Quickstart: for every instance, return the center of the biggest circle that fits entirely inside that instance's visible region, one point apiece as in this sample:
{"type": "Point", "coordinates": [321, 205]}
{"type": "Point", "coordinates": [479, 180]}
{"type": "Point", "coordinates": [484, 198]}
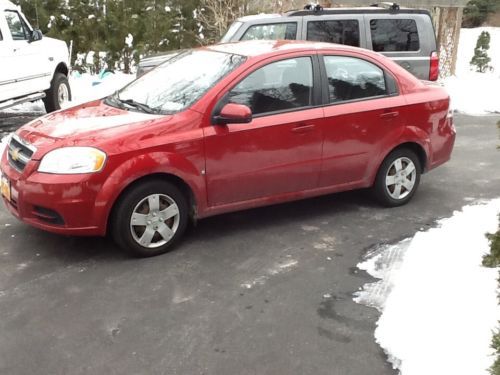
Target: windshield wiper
{"type": "Point", "coordinates": [143, 107]}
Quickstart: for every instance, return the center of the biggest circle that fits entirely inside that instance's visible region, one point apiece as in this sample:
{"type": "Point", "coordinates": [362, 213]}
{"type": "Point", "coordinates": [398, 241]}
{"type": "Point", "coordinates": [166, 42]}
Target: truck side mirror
{"type": "Point", "coordinates": [36, 35]}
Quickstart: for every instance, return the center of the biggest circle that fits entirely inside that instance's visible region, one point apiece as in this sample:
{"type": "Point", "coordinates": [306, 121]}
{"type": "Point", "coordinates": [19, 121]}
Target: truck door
{"type": "Point", "coordinates": [25, 70]}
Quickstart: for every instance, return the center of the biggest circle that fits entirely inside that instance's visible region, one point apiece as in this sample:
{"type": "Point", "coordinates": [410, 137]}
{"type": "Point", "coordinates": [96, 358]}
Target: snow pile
{"type": "Point", "coordinates": [472, 92]}
{"type": "Point", "coordinates": [439, 305]}
{"type": "Point", "coordinates": [84, 88]}
{"type": "Point", "coordinates": [87, 87]}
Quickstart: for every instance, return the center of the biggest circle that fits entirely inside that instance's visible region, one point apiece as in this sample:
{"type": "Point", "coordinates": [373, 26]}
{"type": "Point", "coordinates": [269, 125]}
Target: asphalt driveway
{"type": "Point", "coordinates": [265, 291]}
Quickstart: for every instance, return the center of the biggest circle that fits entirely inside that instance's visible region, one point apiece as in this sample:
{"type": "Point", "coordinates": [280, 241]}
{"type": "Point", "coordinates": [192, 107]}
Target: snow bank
{"type": "Point", "coordinates": [84, 88]}
{"type": "Point", "coordinates": [471, 92]}
{"type": "Point", "coordinates": [439, 305]}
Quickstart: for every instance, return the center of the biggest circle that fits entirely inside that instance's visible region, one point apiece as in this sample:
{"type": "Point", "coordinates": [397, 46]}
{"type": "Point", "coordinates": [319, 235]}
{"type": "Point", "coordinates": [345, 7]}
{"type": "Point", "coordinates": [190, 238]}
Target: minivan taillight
{"type": "Point", "coordinates": [434, 67]}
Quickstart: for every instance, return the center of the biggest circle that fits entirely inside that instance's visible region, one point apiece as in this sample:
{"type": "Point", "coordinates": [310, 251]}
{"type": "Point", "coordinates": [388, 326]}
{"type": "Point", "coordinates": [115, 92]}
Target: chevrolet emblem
{"type": "Point", "coordinates": [14, 153]}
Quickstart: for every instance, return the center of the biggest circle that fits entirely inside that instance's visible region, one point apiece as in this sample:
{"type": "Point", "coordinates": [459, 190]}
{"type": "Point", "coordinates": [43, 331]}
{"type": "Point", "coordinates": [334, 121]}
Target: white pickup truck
{"type": "Point", "coordinates": [32, 67]}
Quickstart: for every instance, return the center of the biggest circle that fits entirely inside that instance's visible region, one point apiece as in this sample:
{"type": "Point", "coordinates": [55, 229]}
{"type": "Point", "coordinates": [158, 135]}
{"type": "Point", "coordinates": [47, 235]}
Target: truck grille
{"type": "Point", "coordinates": [19, 153]}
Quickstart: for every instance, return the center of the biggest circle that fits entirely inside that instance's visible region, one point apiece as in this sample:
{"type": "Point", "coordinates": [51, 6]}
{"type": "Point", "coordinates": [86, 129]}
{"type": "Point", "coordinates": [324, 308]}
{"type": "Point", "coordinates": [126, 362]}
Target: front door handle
{"type": "Point", "coordinates": [303, 128]}
{"type": "Point", "coordinates": [388, 115]}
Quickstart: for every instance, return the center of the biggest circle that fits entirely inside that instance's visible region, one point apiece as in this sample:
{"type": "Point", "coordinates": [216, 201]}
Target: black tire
{"type": "Point", "coordinates": [123, 232]}
{"type": "Point", "coordinates": [51, 100]}
{"type": "Point", "coordinates": [384, 193]}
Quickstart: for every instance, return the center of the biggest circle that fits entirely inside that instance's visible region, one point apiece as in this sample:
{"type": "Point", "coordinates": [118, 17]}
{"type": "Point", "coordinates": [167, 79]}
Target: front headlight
{"type": "Point", "coordinates": [73, 160]}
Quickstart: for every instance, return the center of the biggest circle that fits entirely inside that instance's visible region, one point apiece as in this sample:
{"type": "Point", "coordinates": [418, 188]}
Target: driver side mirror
{"type": "Point", "coordinates": [36, 35]}
{"type": "Point", "coordinates": [233, 113]}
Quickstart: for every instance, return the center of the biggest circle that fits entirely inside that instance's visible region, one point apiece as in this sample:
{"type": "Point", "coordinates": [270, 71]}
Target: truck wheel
{"type": "Point", "coordinates": [150, 218]}
{"type": "Point", "coordinates": [398, 178]}
{"type": "Point", "coordinates": [58, 94]}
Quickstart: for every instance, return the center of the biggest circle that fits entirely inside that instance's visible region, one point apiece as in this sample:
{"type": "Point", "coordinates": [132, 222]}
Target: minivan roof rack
{"type": "Point", "coordinates": [387, 5]}
{"type": "Point", "coordinates": [314, 7]}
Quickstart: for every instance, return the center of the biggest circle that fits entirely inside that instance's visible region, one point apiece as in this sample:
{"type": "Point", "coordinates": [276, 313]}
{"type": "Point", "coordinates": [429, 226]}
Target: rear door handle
{"type": "Point", "coordinates": [388, 115]}
{"type": "Point", "coordinates": [304, 128]}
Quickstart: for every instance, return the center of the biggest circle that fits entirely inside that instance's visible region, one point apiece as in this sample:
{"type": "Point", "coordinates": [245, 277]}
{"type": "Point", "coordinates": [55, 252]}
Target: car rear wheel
{"type": "Point", "coordinates": [150, 218]}
{"type": "Point", "coordinates": [398, 178]}
{"type": "Point", "coordinates": [58, 94]}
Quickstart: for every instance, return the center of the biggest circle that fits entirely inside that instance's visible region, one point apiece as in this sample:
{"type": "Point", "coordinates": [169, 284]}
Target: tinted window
{"type": "Point", "coordinates": [394, 35]}
{"type": "Point", "coordinates": [350, 78]}
{"type": "Point", "coordinates": [341, 32]}
{"type": "Point", "coordinates": [16, 25]}
{"type": "Point", "coordinates": [271, 31]}
{"type": "Point", "coordinates": [279, 86]}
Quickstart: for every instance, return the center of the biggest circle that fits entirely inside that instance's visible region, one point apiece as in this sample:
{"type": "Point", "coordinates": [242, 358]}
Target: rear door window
{"type": "Point", "coordinates": [334, 31]}
{"type": "Point", "coordinates": [394, 35]}
{"type": "Point", "coordinates": [350, 78]}
{"type": "Point", "coordinates": [272, 31]}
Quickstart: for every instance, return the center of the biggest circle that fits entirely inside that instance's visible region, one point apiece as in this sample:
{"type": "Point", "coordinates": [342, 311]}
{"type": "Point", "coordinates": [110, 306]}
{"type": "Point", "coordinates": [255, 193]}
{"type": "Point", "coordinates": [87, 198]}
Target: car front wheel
{"type": "Point", "coordinates": [398, 178]}
{"type": "Point", "coordinates": [150, 218]}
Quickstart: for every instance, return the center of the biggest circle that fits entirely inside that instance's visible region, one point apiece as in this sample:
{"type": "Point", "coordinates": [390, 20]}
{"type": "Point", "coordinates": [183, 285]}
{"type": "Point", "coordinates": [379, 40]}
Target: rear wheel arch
{"type": "Point", "coordinates": [417, 148]}
{"type": "Point", "coordinates": [62, 68]}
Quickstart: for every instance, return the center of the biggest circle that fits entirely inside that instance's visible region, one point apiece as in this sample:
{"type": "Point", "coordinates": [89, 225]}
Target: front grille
{"type": "Point", "coordinates": [19, 153]}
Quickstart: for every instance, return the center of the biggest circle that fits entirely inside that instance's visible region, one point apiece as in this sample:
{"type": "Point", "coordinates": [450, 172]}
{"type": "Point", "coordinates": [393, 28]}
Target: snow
{"type": "Point", "coordinates": [439, 305]}
{"type": "Point", "coordinates": [471, 92]}
{"type": "Point", "coordinates": [129, 40]}
{"type": "Point", "coordinates": [84, 88]}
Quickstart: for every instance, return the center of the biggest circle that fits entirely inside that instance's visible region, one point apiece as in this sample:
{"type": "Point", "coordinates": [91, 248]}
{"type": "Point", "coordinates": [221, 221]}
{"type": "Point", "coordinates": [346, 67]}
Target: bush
{"type": "Point", "coordinates": [477, 11]}
{"type": "Point", "coordinates": [481, 58]}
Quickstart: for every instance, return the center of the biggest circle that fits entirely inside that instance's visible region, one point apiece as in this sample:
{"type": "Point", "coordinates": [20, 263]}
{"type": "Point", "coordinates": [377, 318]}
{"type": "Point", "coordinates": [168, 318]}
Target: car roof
{"type": "Point", "coordinates": [251, 48]}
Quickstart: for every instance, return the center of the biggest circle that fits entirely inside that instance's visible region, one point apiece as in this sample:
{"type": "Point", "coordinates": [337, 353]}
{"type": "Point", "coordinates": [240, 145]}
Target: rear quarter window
{"type": "Point", "coordinates": [334, 31]}
{"type": "Point", "coordinates": [394, 35]}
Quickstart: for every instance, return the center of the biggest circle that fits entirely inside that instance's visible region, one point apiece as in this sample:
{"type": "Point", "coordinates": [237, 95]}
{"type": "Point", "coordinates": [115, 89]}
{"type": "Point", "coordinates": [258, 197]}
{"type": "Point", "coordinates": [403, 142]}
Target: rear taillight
{"type": "Point", "coordinates": [434, 67]}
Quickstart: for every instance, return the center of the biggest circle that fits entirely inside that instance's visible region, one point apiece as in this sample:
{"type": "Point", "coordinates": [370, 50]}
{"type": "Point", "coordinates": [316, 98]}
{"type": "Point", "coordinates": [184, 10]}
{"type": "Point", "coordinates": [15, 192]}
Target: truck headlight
{"type": "Point", "coordinates": [73, 160]}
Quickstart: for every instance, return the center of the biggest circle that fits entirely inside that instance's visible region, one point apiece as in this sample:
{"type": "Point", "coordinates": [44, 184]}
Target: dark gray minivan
{"type": "Point", "coordinates": [405, 35]}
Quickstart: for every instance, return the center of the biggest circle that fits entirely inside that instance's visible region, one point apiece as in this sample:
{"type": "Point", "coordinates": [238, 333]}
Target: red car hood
{"type": "Point", "coordinates": [90, 120]}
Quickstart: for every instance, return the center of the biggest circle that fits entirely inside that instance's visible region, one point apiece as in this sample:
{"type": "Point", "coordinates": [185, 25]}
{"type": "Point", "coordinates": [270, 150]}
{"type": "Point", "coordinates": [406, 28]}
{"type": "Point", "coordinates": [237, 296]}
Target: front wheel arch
{"type": "Point", "coordinates": [175, 180]}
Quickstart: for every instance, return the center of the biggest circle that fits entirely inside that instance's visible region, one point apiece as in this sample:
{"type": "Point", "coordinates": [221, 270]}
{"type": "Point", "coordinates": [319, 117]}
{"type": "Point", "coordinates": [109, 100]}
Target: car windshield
{"type": "Point", "coordinates": [177, 83]}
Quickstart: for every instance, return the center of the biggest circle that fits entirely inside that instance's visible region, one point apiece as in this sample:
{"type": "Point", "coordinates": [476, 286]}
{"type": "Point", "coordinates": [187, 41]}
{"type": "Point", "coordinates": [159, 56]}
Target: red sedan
{"type": "Point", "coordinates": [226, 128]}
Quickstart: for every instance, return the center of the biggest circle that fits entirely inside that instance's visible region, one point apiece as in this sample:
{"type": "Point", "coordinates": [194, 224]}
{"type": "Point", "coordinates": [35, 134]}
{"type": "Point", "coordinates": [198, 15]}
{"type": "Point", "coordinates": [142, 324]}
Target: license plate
{"type": "Point", "coordinates": [5, 187]}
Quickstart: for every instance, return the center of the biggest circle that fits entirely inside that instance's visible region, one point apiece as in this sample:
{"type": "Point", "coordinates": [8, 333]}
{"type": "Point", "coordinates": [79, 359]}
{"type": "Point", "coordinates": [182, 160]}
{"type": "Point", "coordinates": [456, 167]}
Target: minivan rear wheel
{"type": "Point", "coordinates": [398, 178]}
{"type": "Point", "coordinates": [150, 218]}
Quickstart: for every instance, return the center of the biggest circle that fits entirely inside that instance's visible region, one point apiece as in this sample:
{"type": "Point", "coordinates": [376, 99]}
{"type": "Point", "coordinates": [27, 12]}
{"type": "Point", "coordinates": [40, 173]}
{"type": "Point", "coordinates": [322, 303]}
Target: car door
{"type": "Point", "coordinates": [364, 110]}
{"type": "Point", "coordinates": [279, 152]}
{"type": "Point", "coordinates": [29, 69]}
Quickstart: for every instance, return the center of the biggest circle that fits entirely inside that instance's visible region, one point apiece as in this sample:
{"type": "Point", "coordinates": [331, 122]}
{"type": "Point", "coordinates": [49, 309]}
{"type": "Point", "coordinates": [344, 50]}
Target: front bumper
{"type": "Point", "coordinates": [63, 204]}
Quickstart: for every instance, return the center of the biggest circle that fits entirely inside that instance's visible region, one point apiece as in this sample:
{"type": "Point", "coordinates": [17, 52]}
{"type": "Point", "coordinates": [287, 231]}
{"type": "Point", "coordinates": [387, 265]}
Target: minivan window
{"type": "Point", "coordinates": [338, 31]}
{"type": "Point", "coordinates": [351, 78]}
{"type": "Point", "coordinates": [231, 31]}
{"type": "Point", "coordinates": [16, 25]}
{"type": "Point", "coordinates": [279, 86]}
{"type": "Point", "coordinates": [394, 35]}
{"type": "Point", "coordinates": [272, 31]}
